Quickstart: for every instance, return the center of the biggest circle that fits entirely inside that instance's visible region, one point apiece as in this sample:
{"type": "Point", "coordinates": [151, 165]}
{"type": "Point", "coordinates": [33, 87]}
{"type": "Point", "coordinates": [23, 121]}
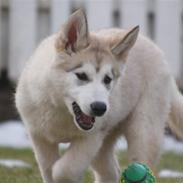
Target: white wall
{"type": "Point", "coordinates": [22, 34]}
{"type": "Point", "coordinates": [134, 12]}
{"type": "Point", "coordinates": [27, 25]}
{"type": "Point", "coordinates": [99, 13]}
{"type": "Point", "coordinates": [168, 32]}
{"type": "Point", "coordinates": [60, 10]}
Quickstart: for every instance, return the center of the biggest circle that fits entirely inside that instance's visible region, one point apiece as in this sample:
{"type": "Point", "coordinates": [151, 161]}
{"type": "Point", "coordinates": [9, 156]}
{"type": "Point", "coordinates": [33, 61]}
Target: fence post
{"type": "Point", "coordinates": [99, 13]}
{"type": "Point", "coordinates": [22, 35]}
{"type": "Point", "coordinates": [60, 10]}
{"type": "Point", "coordinates": [134, 13]}
{"type": "Point", "coordinates": [168, 32]}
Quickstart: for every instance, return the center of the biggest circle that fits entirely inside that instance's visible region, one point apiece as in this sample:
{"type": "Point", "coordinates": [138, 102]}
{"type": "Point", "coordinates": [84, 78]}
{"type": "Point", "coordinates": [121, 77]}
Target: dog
{"type": "Point", "coordinates": [89, 88]}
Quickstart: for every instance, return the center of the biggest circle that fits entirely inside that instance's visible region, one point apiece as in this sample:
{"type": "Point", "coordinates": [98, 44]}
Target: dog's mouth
{"type": "Point", "coordinates": [84, 121]}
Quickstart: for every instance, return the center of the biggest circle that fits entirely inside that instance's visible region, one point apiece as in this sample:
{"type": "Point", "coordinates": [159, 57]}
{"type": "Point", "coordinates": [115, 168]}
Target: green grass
{"type": "Point", "coordinates": [31, 174]}
{"type": "Point", "coordinates": [19, 175]}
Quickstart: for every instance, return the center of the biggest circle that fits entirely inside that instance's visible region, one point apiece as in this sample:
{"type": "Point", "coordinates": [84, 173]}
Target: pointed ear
{"type": "Point", "coordinates": [123, 46]}
{"type": "Point", "coordinates": [74, 34]}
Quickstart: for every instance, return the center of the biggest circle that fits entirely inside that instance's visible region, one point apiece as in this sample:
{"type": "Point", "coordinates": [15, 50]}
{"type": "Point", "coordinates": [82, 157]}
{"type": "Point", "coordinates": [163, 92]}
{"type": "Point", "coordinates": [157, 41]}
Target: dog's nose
{"type": "Point", "coordinates": [98, 108]}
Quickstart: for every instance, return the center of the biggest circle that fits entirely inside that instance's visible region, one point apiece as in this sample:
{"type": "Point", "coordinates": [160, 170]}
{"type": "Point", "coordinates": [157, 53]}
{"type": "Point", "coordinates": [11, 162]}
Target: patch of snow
{"type": "Point", "coordinates": [121, 144]}
{"type": "Point", "coordinates": [170, 144]}
{"type": "Point", "coordinates": [64, 146]}
{"type": "Point", "coordinates": [13, 134]}
{"type": "Point", "coordinates": [170, 174]}
{"type": "Point", "coordinates": [11, 163]}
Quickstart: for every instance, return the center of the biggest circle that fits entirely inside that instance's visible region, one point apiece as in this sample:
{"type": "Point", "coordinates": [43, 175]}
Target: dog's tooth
{"type": "Point", "coordinates": [74, 105]}
{"type": "Point", "coordinates": [79, 110]}
{"type": "Point", "coordinates": [75, 108]}
{"type": "Point", "coordinates": [78, 116]}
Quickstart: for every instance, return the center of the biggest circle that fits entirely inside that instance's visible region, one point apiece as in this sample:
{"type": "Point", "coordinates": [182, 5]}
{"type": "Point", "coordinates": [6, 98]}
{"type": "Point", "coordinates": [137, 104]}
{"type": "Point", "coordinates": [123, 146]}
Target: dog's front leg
{"type": "Point", "coordinates": [71, 167]}
{"type": "Point", "coordinates": [46, 155]}
{"type": "Point", "coordinates": [105, 165]}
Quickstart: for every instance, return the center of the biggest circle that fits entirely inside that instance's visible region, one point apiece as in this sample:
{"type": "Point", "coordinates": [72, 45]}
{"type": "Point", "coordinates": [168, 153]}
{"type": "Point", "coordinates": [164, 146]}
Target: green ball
{"type": "Point", "coordinates": [137, 173]}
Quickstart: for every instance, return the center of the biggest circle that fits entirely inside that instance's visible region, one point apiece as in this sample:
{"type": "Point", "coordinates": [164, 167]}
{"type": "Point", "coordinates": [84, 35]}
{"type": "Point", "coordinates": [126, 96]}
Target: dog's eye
{"type": "Point", "coordinates": [107, 80]}
{"type": "Point", "coordinates": [82, 76]}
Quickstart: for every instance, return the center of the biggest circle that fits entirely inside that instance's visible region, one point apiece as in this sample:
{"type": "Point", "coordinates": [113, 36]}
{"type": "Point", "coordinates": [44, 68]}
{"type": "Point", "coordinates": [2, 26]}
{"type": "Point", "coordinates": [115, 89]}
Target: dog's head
{"type": "Point", "coordinates": [89, 67]}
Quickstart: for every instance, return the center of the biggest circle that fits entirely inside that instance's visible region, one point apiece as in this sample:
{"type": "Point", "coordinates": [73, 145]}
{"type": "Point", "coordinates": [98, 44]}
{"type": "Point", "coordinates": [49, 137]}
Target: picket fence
{"type": "Point", "coordinates": [24, 23]}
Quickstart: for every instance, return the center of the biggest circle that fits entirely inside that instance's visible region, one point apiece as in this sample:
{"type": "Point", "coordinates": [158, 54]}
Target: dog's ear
{"type": "Point", "coordinates": [74, 34]}
{"type": "Point", "coordinates": [122, 47]}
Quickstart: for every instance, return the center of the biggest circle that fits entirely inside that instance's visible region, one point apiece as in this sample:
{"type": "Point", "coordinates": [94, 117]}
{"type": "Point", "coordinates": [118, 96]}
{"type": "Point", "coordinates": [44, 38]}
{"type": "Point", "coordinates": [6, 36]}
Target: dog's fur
{"type": "Point", "coordinates": [141, 97]}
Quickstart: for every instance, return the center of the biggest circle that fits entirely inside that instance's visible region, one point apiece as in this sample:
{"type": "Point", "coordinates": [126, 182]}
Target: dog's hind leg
{"type": "Point", "coordinates": [105, 165]}
{"type": "Point", "coordinates": [144, 128]}
{"type": "Point", "coordinates": [71, 167]}
{"type": "Point", "coordinates": [46, 154]}
{"type": "Point", "coordinates": [144, 142]}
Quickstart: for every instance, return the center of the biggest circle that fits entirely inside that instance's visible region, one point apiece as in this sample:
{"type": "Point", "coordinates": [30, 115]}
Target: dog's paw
{"type": "Point", "coordinates": [64, 173]}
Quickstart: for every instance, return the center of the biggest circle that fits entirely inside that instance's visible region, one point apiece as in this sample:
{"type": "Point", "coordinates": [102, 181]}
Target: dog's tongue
{"type": "Point", "coordinates": [87, 119]}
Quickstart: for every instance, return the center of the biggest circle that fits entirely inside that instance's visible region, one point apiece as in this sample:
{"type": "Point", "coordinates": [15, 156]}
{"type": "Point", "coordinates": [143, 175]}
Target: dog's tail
{"type": "Point", "coordinates": [176, 113]}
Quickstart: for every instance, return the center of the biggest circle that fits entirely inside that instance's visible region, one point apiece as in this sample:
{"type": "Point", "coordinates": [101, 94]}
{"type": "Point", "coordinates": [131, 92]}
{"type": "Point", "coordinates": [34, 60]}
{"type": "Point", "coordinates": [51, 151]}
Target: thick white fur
{"type": "Point", "coordinates": [139, 105]}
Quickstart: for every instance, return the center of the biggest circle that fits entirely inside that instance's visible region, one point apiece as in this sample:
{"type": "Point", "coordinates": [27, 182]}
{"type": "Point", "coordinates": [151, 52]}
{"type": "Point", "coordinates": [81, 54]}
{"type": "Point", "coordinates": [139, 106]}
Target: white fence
{"type": "Point", "coordinates": [23, 23]}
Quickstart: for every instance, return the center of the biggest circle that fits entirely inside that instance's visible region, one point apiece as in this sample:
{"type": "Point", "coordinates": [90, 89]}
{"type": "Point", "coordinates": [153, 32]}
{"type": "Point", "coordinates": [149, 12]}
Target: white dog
{"type": "Point", "coordinates": [88, 89]}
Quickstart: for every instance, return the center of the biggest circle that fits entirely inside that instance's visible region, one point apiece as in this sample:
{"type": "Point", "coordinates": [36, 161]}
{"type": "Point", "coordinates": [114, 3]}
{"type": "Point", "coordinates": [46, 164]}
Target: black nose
{"type": "Point", "coordinates": [98, 108]}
